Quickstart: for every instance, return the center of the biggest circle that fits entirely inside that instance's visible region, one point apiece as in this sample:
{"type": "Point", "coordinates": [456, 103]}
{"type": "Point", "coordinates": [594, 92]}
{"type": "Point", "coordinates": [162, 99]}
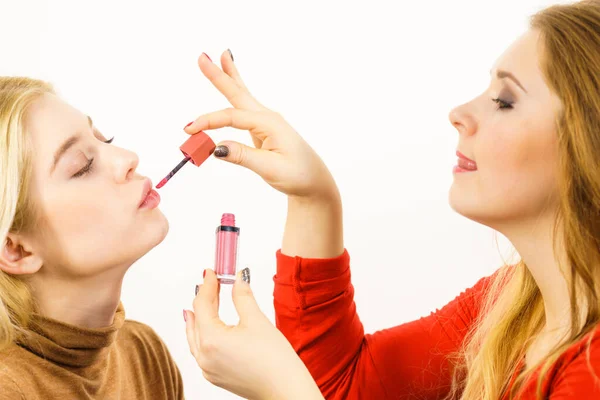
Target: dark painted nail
{"type": "Point", "coordinates": [246, 275]}
{"type": "Point", "coordinates": [184, 316]}
{"type": "Point", "coordinates": [207, 57]}
{"type": "Point", "coordinates": [221, 151]}
{"type": "Point", "coordinates": [197, 287]}
{"type": "Point", "coordinates": [188, 124]}
{"type": "Point", "coordinates": [230, 54]}
{"type": "Point", "coordinates": [204, 274]}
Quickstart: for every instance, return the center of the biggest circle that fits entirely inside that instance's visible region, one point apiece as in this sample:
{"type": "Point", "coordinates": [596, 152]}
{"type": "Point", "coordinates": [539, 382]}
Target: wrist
{"type": "Point", "coordinates": [326, 200]}
{"type": "Point", "coordinates": [324, 194]}
{"type": "Point", "coordinates": [301, 387]}
{"type": "Point", "coordinates": [314, 226]}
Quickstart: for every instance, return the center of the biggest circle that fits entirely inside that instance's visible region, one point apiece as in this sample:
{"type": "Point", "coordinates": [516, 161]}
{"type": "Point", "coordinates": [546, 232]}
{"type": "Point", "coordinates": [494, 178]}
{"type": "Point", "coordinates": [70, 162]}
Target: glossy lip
{"type": "Point", "coordinates": [461, 155]}
{"type": "Point", "coordinates": [146, 191]}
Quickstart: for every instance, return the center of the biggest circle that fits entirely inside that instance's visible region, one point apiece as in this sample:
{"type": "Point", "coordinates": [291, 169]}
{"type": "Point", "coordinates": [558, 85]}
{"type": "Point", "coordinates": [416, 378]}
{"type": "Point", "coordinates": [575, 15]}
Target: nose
{"type": "Point", "coordinates": [463, 120]}
{"type": "Point", "coordinates": [125, 163]}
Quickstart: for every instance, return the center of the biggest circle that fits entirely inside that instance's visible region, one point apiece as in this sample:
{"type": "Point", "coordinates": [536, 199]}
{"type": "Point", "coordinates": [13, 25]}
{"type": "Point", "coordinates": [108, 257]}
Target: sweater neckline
{"type": "Point", "coordinates": [67, 344]}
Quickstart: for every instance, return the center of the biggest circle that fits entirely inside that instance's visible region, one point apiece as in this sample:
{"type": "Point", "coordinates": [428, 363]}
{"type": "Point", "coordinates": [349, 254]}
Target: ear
{"type": "Point", "coordinates": [17, 257]}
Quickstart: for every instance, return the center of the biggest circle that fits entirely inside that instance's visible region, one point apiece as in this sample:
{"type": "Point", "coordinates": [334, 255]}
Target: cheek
{"type": "Point", "coordinates": [518, 165]}
{"type": "Point", "coordinates": [504, 154]}
{"type": "Point", "coordinates": [522, 149]}
{"type": "Point", "coordinates": [83, 219]}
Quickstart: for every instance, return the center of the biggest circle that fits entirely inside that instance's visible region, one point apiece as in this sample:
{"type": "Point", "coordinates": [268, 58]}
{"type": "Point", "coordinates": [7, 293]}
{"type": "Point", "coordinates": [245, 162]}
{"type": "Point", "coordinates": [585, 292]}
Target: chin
{"type": "Point", "coordinates": [457, 200]}
{"type": "Point", "coordinates": [154, 233]}
{"type": "Point", "coordinates": [468, 206]}
{"type": "Point", "coordinates": [155, 230]}
{"type": "Point", "coordinates": [160, 229]}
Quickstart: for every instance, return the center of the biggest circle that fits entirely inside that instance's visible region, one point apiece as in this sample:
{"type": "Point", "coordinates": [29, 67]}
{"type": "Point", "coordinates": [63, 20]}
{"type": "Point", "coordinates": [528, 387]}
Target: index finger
{"type": "Point", "coordinates": [235, 118]}
{"type": "Point", "coordinates": [206, 303]}
{"type": "Point", "coordinates": [236, 95]}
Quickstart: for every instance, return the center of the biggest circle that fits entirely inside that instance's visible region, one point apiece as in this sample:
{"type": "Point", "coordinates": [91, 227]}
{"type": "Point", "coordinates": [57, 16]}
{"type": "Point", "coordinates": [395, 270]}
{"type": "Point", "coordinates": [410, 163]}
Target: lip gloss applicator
{"type": "Point", "coordinates": [196, 149]}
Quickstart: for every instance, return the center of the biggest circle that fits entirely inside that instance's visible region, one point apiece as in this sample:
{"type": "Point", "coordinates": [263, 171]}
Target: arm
{"type": "Point", "coordinates": [315, 310]}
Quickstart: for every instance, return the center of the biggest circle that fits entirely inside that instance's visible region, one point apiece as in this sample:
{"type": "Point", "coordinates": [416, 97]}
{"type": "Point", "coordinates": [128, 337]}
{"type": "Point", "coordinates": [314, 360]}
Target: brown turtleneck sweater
{"type": "Point", "coordinates": [54, 360]}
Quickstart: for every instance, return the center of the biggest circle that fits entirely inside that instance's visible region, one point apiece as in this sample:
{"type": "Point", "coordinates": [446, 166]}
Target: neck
{"type": "Point", "coordinates": [534, 243]}
{"type": "Point", "coordinates": [89, 302]}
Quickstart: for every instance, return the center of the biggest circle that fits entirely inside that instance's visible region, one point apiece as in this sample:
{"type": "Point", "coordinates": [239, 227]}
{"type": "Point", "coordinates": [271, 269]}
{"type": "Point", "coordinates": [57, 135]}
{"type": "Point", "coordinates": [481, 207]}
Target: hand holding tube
{"type": "Point", "coordinates": [252, 359]}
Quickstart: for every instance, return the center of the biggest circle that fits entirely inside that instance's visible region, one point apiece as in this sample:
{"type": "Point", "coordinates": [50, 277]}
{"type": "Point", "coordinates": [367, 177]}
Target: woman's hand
{"type": "Point", "coordinates": [252, 359]}
{"type": "Point", "coordinates": [282, 158]}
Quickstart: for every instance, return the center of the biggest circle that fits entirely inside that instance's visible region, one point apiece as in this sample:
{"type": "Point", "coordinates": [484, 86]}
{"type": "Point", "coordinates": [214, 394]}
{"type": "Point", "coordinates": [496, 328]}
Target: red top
{"type": "Point", "coordinates": [315, 310]}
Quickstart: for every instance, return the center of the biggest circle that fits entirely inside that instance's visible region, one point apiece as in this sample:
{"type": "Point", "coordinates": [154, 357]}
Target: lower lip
{"type": "Point", "coordinates": [458, 170]}
{"type": "Point", "coordinates": [152, 200]}
{"type": "Point", "coordinates": [464, 166]}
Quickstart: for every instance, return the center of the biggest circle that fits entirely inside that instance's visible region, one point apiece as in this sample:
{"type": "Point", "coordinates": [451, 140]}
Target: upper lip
{"type": "Point", "coordinates": [145, 191]}
{"type": "Point", "coordinates": [461, 155]}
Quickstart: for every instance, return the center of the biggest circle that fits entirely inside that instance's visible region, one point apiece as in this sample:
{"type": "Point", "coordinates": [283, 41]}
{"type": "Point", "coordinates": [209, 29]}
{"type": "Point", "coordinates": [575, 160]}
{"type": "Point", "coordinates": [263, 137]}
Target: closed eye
{"type": "Point", "coordinates": [502, 105]}
{"type": "Point", "coordinates": [84, 170]}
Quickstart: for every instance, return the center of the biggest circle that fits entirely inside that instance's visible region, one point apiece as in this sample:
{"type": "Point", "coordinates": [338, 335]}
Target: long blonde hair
{"type": "Point", "coordinates": [17, 212]}
{"type": "Point", "coordinates": [513, 313]}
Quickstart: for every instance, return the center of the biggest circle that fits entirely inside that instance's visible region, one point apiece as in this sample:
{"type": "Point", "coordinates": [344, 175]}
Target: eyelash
{"type": "Point", "coordinates": [502, 105]}
{"type": "Point", "coordinates": [88, 166]}
{"type": "Point", "coordinates": [84, 170]}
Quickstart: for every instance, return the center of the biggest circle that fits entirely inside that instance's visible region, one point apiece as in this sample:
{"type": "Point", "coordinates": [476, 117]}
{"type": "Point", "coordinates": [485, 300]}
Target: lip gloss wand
{"type": "Point", "coordinates": [196, 149]}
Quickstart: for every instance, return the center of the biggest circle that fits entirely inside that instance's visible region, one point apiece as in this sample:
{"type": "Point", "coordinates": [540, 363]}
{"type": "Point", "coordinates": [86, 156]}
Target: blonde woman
{"type": "Point", "coordinates": [75, 215]}
{"type": "Point", "coordinates": [529, 167]}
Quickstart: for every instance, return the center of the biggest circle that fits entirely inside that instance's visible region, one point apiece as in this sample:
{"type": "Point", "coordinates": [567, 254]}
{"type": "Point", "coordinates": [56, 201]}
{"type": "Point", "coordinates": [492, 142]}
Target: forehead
{"type": "Point", "coordinates": [50, 114]}
{"type": "Point", "coordinates": [522, 59]}
{"type": "Point", "coordinates": [50, 121]}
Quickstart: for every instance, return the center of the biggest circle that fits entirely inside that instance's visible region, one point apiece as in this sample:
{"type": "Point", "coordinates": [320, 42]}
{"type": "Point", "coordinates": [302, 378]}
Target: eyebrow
{"type": "Point", "coordinates": [505, 74]}
{"type": "Point", "coordinates": [67, 144]}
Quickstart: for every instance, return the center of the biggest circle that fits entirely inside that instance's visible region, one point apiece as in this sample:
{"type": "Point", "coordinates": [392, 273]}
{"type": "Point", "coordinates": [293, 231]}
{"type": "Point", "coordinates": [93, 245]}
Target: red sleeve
{"type": "Point", "coordinates": [315, 310]}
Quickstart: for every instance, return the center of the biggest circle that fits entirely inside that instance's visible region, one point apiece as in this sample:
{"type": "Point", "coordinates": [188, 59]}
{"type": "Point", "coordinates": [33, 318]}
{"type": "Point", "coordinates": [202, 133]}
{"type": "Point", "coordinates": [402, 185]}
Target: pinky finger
{"type": "Point", "coordinates": [230, 69]}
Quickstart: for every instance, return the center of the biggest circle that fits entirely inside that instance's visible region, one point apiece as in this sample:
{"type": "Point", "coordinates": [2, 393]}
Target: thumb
{"type": "Point", "coordinates": [263, 162]}
{"type": "Point", "coordinates": [243, 299]}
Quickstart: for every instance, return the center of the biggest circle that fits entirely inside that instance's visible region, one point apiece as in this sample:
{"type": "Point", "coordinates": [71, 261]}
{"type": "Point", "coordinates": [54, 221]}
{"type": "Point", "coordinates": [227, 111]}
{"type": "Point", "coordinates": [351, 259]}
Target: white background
{"type": "Point", "coordinates": [369, 87]}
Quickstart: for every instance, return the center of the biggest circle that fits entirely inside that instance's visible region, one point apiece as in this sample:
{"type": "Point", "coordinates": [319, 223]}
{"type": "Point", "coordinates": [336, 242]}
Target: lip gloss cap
{"type": "Point", "coordinates": [198, 148]}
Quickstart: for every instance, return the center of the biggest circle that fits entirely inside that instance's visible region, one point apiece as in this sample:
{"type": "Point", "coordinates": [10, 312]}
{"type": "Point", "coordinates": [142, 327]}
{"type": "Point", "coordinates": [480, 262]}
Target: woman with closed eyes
{"type": "Point", "coordinates": [528, 166]}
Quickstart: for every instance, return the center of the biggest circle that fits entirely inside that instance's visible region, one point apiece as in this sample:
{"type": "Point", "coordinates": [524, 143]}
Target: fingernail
{"type": "Point", "coordinates": [230, 54]}
{"type": "Point", "coordinates": [207, 57]}
{"type": "Point", "coordinates": [246, 275]}
{"type": "Point", "coordinates": [197, 287]}
{"type": "Point", "coordinates": [184, 316]}
{"type": "Point", "coordinates": [188, 124]}
{"type": "Point", "coordinates": [204, 274]}
{"type": "Point", "coordinates": [221, 151]}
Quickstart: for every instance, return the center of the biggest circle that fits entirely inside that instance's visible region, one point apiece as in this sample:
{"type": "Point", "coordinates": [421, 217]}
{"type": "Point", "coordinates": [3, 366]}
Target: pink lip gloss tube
{"type": "Point", "coordinates": [226, 249]}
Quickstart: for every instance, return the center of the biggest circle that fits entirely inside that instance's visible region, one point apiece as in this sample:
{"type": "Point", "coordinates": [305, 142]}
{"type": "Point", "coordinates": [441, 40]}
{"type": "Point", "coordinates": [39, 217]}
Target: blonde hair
{"type": "Point", "coordinates": [17, 213]}
{"type": "Point", "coordinates": [513, 312]}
